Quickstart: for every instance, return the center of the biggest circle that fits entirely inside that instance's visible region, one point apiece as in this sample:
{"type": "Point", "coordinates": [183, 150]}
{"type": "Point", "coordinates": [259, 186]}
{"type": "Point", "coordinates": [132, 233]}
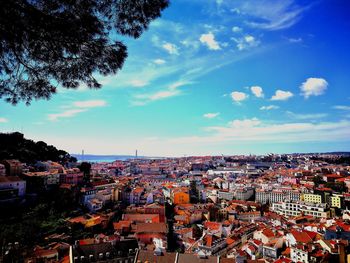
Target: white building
{"type": "Point", "coordinates": [288, 208]}
{"type": "Point", "coordinates": [298, 255]}
{"type": "Point", "coordinates": [244, 193]}
{"type": "Point", "coordinates": [275, 196]}
{"type": "Point", "coordinates": [13, 183]}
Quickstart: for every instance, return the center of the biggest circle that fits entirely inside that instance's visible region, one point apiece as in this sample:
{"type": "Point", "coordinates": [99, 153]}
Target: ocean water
{"type": "Point", "coordinates": [102, 158]}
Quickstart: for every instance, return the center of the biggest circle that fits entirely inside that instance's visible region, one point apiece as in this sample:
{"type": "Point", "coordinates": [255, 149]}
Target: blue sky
{"type": "Point", "coordinates": [213, 77]}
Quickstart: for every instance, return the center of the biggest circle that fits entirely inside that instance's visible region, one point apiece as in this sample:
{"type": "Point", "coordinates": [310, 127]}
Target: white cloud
{"type": "Point", "coordinates": [271, 15]}
{"type": "Point", "coordinates": [163, 94]}
{"type": "Point", "coordinates": [269, 107]}
{"type": "Point", "coordinates": [282, 95]}
{"type": "Point", "coordinates": [255, 130]}
{"type": "Point", "coordinates": [295, 40]}
{"type": "Point", "coordinates": [138, 83]}
{"type": "Point", "coordinates": [90, 103]}
{"type": "Point", "coordinates": [306, 116]}
{"type": "Point", "coordinates": [246, 42]}
{"type": "Point", "coordinates": [257, 91]}
{"type": "Point", "coordinates": [245, 123]}
{"type": "Point", "coordinates": [172, 49]}
{"type": "Point", "coordinates": [159, 61]}
{"type": "Point", "coordinates": [313, 87]}
{"type": "Point", "coordinates": [341, 107]}
{"type": "Point", "coordinates": [238, 96]}
{"type": "Point", "coordinates": [211, 115]}
{"type": "Point", "coordinates": [3, 120]}
{"type": "Point", "coordinates": [209, 41]}
{"type": "Point", "coordinates": [76, 108]}
{"type": "Point", "coordinates": [171, 91]}
{"type": "Point", "coordinates": [65, 114]}
{"type": "Point", "coordinates": [236, 29]}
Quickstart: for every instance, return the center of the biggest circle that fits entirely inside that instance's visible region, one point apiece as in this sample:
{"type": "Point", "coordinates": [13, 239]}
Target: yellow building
{"type": "Point", "coordinates": [312, 198]}
{"type": "Point", "coordinates": [336, 201]}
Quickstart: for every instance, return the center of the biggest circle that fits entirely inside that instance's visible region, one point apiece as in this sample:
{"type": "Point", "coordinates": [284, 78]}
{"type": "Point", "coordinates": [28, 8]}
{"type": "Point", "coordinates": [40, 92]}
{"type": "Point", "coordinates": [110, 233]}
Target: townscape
{"type": "Point", "coordinates": [238, 113]}
{"type": "Point", "coordinates": [272, 208]}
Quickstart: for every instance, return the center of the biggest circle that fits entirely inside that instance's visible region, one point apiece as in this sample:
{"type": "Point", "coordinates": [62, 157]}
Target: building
{"type": "Point", "coordinates": [244, 193]}
{"type": "Point", "coordinates": [275, 196]}
{"type": "Point", "coordinates": [336, 201]}
{"type": "Point", "coordinates": [13, 167]}
{"type": "Point", "coordinates": [72, 177]}
{"type": "Point", "coordinates": [122, 251]}
{"type": "Point", "coordinates": [299, 255]}
{"type": "Point", "coordinates": [298, 208]}
{"type": "Point", "coordinates": [312, 198]}
{"type": "Point", "coordinates": [38, 181]}
{"type": "Point", "coordinates": [2, 170]}
{"type": "Point", "coordinates": [12, 187]}
{"type": "Point", "coordinates": [179, 196]}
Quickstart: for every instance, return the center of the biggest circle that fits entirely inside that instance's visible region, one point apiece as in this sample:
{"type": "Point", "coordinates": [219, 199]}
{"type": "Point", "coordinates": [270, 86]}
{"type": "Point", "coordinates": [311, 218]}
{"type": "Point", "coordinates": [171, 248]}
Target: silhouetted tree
{"type": "Point", "coordinates": [193, 192]}
{"type": "Point", "coordinates": [85, 167]}
{"type": "Point", "coordinates": [44, 44]}
{"type": "Point", "coordinates": [15, 146]}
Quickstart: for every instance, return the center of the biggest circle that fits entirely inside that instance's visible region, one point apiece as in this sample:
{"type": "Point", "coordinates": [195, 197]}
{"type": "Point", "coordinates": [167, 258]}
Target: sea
{"type": "Point", "coordinates": [103, 158]}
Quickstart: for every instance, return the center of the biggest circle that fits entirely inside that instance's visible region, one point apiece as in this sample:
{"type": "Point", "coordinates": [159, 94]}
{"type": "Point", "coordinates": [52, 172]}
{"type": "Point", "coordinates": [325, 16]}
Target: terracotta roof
{"type": "Point", "coordinates": [151, 228]}
{"type": "Point", "coordinates": [268, 232]}
{"type": "Point", "coordinates": [301, 237]}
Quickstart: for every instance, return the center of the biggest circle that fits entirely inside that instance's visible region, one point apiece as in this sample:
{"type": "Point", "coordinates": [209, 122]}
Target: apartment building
{"type": "Point", "coordinates": [298, 208]}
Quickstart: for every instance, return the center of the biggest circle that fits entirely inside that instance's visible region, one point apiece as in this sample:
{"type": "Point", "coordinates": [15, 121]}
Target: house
{"type": "Point", "coordinates": [212, 245]}
{"type": "Point", "coordinates": [135, 195]}
{"type": "Point", "coordinates": [12, 167]}
{"type": "Point", "coordinates": [179, 196]}
{"type": "Point", "coordinates": [122, 227]}
{"type": "Point", "coordinates": [72, 176]}
{"type": "Point", "coordinates": [156, 209]}
{"type": "Point", "coordinates": [12, 187]}
{"type": "Point", "coordinates": [123, 251]}
{"type": "Point", "coordinates": [146, 232]}
{"type": "Point", "coordinates": [273, 249]}
{"type": "Point", "coordinates": [144, 256]}
{"type": "Point", "coordinates": [299, 254]}
{"type": "Point", "coordinates": [300, 237]}
{"type": "Point", "coordinates": [2, 170]}
{"type": "Point", "coordinates": [265, 235]}
{"type": "Point", "coordinates": [339, 230]}
{"type": "Point", "coordinates": [141, 218]}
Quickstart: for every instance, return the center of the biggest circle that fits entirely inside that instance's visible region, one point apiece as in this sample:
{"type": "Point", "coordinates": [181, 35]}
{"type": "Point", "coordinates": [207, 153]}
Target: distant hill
{"type": "Point", "coordinates": [109, 158]}
{"type": "Point", "coordinates": [103, 158]}
{"type": "Point", "coordinates": [15, 146]}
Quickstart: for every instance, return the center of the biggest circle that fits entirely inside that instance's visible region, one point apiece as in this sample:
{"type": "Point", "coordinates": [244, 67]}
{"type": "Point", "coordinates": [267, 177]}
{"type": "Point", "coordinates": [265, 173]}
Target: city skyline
{"type": "Point", "coordinates": [212, 78]}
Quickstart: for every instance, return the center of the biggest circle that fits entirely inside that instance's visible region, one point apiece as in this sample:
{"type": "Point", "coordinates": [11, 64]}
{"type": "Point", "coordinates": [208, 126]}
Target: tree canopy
{"type": "Point", "coordinates": [15, 146]}
{"type": "Point", "coordinates": [46, 44]}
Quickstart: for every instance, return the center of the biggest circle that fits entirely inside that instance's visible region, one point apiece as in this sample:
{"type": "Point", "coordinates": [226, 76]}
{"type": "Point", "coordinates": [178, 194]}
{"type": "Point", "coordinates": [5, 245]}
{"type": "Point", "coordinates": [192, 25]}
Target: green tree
{"type": "Point", "coordinates": [85, 167]}
{"type": "Point", "coordinates": [44, 44]}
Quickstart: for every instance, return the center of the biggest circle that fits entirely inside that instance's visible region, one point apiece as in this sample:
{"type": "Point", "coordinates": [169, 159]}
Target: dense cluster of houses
{"type": "Point", "coordinates": [291, 208]}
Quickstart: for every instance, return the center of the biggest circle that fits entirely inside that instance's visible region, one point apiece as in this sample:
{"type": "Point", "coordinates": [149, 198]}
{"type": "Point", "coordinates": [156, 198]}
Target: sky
{"type": "Point", "coordinates": [212, 77]}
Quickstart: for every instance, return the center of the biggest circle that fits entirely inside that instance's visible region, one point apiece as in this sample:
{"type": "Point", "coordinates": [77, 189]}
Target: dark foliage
{"type": "Point", "coordinates": [44, 44]}
{"type": "Point", "coordinates": [29, 224]}
{"type": "Point", "coordinates": [15, 146]}
{"type": "Point", "coordinates": [338, 187]}
{"type": "Point", "coordinates": [85, 167]}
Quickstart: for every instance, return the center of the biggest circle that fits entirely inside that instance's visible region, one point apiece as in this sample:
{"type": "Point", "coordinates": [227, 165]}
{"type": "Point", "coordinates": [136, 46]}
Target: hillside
{"type": "Point", "coordinates": [15, 146]}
